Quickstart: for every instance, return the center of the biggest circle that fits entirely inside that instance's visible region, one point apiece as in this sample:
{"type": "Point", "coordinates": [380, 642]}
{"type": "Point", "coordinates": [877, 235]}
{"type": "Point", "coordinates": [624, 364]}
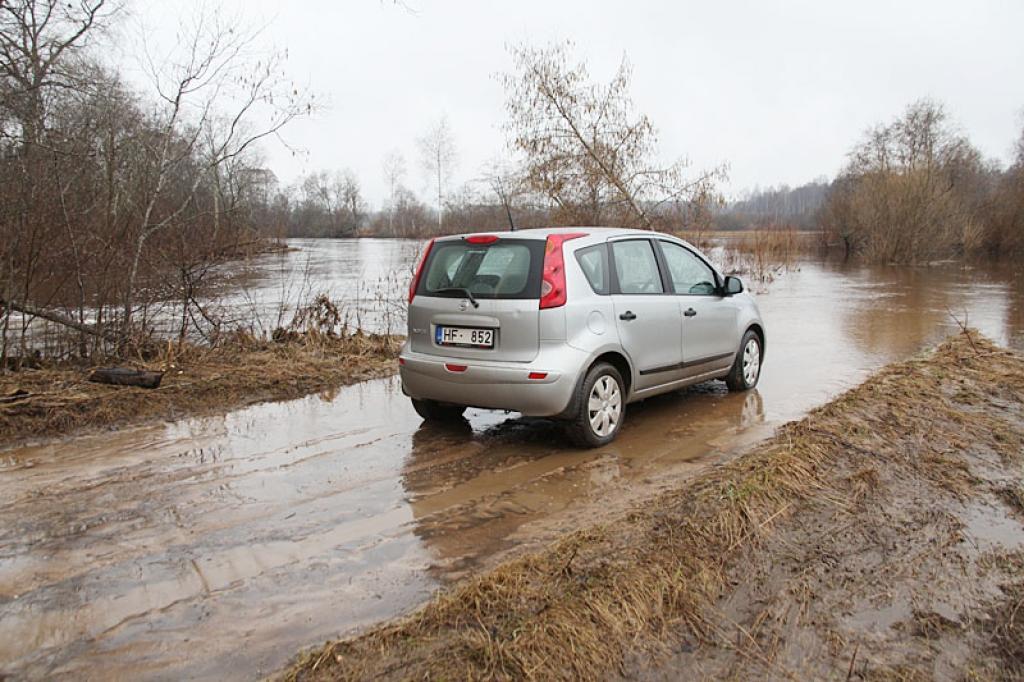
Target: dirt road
{"type": "Point", "coordinates": [218, 546]}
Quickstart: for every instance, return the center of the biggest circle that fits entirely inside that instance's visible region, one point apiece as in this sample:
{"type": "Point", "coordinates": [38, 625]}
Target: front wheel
{"type": "Point", "coordinates": [433, 411]}
{"type": "Point", "coordinates": [746, 369]}
{"type": "Point", "coordinates": [600, 407]}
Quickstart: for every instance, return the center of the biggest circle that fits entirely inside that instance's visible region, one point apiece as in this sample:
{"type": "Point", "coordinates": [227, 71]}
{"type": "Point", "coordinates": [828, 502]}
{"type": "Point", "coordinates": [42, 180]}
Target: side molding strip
{"type": "Point", "coordinates": [684, 365]}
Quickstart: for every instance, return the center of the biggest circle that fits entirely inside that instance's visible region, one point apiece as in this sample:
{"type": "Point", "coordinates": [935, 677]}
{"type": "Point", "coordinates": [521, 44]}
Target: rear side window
{"type": "Point", "coordinates": [508, 268]}
{"type": "Point", "coordinates": [636, 267]}
{"type": "Point", "coordinates": [593, 261]}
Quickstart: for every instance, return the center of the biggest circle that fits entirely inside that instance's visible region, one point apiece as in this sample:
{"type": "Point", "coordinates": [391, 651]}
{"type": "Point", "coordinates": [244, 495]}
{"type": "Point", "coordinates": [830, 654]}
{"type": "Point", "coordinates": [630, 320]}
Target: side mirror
{"type": "Point", "coordinates": [732, 286]}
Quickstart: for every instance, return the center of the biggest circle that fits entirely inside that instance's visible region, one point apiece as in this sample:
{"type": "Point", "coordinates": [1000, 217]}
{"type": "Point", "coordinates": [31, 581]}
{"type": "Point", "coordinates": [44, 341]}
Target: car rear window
{"type": "Point", "coordinates": [507, 268]}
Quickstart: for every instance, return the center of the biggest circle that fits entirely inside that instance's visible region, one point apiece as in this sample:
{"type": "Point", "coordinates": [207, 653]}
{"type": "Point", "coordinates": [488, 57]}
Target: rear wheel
{"type": "Point", "coordinates": [433, 411]}
{"type": "Point", "coordinates": [746, 369]}
{"type": "Point", "coordinates": [600, 407]}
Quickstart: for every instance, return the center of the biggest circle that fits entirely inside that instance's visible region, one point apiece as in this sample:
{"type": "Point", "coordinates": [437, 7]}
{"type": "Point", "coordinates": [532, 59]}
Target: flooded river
{"type": "Point", "coordinates": [217, 547]}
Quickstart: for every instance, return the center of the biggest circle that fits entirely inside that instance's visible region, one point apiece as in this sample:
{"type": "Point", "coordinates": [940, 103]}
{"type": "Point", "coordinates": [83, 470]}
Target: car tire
{"type": "Point", "coordinates": [433, 411]}
{"type": "Point", "coordinates": [596, 424]}
{"type": "Point", "coordinates": [746, 369]}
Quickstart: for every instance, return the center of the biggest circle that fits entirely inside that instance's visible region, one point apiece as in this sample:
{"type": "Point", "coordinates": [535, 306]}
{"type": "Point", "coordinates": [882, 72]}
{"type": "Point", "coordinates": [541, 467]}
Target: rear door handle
{"type": "Point", "coordinates": [690, 312]}
{"type": "Point", "coordinates": [628, 315]}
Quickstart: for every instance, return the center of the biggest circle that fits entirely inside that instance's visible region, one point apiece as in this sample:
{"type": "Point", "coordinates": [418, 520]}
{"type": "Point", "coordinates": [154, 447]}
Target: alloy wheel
{"type": "Point", "coordinates": [751, 361]}
{"type": "Point", "coordinates": [605, 406]}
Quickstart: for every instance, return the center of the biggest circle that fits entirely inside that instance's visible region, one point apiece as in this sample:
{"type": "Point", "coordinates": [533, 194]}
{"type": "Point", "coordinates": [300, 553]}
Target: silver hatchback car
{"type": "Point", "coordinates": [572, 323]}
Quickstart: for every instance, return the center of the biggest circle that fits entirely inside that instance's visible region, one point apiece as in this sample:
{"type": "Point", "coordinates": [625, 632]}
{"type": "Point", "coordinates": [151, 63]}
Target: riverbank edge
{"type": "Point", "coordinates": [619, 598]}
{"type": "Point", "coordinates": [37, 405]}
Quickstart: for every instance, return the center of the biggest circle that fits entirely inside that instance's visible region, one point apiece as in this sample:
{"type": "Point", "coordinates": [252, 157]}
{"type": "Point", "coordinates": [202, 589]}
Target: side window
{"type": "Point", "coordinates": [690, 275]}
{"type": "Point", "coordinates": [593, 261]}
{"type": "Point", "coordinates": [636, 267]}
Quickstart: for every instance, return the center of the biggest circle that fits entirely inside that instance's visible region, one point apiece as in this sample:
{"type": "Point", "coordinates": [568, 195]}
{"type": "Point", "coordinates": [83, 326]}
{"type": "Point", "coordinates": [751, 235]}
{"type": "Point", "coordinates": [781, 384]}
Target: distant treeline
{"type": "Point", "coordinates": [331, 205]}
{"type": "Point", "coordinates": [326, 204]}
{"type": "Point", "coordinates": [782, 205]}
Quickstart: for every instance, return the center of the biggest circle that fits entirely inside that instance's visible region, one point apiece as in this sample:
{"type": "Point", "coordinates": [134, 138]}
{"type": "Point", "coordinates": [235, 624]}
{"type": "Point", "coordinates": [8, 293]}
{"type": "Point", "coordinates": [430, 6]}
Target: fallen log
{"type": "Point", "coordinates": [15, 396]}
{"type": "Point", "coordinates": [122, 376]}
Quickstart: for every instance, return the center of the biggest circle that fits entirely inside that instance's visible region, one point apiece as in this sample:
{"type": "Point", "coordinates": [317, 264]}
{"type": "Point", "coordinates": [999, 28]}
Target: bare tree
{"type": "Point", "coordinates": [585, 146]}
{"type": "Point", "coordinates": [508, 184]}
{"type": "Point", "coordinates": [331, 204]}
{"type": "Point", "coordinates": [209, 63]}
{"type": "Point", "coordinates": [351, 199]}
{"type": "Point", "coordinates": [394, 176]}
{"type": "Point", "coordinates": [37, 37]}
{"type": "Point", "coordinates": [38, 41]}
{"type": "Point", "coordinates": [437, 156]}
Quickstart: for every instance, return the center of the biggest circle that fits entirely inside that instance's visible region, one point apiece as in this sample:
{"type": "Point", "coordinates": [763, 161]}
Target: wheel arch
{"type": "Point", "coordinates": [616, 359]}
{"type": "Point", "coordinates": [619, 362]}
{"type": "Point", "coordinates": [758, 329]}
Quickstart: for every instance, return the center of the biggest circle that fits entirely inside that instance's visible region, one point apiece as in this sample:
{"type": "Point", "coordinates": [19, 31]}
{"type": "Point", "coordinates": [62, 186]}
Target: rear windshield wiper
{"type": "Point", "coordinates": [459, 290]}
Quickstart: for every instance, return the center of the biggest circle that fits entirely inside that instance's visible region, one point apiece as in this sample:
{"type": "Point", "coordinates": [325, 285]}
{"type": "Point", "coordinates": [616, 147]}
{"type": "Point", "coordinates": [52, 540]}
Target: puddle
{"type": "Point", "coordinates": [879, 618]}
{"type": "Point", "coordinates": [218, 547]}
{"type": "Point", "coordinates": [990, 528]}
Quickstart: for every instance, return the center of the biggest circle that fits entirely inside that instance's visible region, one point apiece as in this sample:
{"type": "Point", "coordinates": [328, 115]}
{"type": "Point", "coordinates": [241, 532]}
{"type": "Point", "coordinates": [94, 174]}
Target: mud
{"type": "Point", "coordinates": [865, 541]}
{"type": "Point", "coordinates": [217, 547]}
{"type": "Point", "coordinates": [906, 579]}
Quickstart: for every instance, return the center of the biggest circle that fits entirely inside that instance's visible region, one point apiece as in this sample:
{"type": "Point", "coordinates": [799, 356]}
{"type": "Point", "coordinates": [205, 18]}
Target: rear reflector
{"type": "Point", "coordinates": [482, 238]}
{"type": "Point", "coordinates": [538, 375]}
{"type": "Point", "coordinates": [454, 368]}
{"type": "Point", "coordinates": [401, 361]}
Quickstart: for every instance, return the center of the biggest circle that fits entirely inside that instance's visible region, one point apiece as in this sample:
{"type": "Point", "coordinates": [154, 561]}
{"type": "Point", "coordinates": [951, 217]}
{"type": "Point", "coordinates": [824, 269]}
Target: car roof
{"type": "Point", "coordinates": [593, 233]}
{"type": "Point", "coordinates": [543, 232]}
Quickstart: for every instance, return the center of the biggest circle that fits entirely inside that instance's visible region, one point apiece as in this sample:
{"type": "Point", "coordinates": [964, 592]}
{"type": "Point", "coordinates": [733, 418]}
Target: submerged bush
{"type": "Point", "coordinates": [910, 191]}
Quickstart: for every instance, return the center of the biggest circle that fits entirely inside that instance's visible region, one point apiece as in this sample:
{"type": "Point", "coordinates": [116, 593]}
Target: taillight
{"type": "Point", "coordinates": [419, 271]}
{"type": "Point", "coordinates": [552, 288]}
{"type": "Point", "coordinates": [482, 238]}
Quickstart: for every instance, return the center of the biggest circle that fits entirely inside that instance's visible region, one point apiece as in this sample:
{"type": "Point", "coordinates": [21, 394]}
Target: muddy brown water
{"type": "Point", "coordinates": [218, 547]}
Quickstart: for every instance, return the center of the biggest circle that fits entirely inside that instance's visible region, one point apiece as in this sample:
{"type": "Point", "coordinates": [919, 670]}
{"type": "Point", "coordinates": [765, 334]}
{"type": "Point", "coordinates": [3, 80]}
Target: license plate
{"type": "Point", "coordinates": [464, 336]}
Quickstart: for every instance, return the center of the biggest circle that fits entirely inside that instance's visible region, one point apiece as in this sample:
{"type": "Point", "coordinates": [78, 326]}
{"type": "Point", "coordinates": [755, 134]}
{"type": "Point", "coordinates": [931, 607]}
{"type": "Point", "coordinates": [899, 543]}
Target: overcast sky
{"type": "Point", "coordinates": [779, 91]}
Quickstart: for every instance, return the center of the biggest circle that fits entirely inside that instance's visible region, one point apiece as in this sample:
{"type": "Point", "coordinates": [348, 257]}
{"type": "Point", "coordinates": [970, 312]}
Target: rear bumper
{"type": "Point", "coordinates": [495, 385]}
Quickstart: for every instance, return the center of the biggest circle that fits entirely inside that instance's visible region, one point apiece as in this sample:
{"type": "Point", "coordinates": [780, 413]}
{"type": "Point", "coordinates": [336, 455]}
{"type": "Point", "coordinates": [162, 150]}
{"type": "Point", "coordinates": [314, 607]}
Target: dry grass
{"type": "Point", "coordinates": [759, 255]}
{"type": "Point", "coordinates": [580, 608]}
{"type": "Point", "coordinates": [239, 371]}
{"type": "Point", "coordinates": [1006, 629]}
{"type": "Point", "coordinates": [1013, 495]}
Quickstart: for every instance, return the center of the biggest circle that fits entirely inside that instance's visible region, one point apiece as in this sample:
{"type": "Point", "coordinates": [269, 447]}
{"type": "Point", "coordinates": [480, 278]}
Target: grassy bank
{"type": "Point", "coordinates": [58, 400]}
{"type": "Point", "coordinates": [879, 537]}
